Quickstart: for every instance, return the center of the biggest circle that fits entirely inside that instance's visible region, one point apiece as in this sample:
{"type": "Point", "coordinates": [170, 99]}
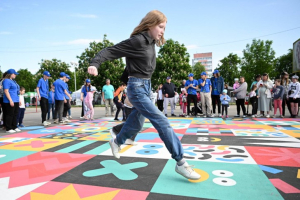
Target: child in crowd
{"type": "Point", "coordinates": [21, 108]}
{"type": "Point", "coordinates": [253, 99]}
{"type": "Point", "coordinates": [236, 85]}
{"type": "Point", "coordinates": [278, 92]}
{"type": "Point", "coordinates": [183, 101]}
{"type": "Point", "coordinates": [225, 103]}
{"type": "Point", "coordinates": [89, 103]}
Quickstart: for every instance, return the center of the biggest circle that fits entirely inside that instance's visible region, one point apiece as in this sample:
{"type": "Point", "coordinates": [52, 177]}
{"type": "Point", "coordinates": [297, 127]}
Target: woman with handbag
{"type": "Point", "coordinates": [264, 95]}
{"type": "Point", "coordinates": [139, 51]}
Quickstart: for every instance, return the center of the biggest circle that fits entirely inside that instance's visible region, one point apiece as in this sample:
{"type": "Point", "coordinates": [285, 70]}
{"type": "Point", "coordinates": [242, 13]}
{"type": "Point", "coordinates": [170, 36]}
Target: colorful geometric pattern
{"type": "Point", "coordinates": [236, 158]}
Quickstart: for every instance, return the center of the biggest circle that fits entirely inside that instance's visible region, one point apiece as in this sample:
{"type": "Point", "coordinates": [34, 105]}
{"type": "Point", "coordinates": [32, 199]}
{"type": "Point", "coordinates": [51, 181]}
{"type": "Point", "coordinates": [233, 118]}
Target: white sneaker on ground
{"type": "Point", "coordinates": [253, 116]}
{"type": "Point", "coordinates": [112, 133]}
{"type": "Point", "coordinates": [17, 130]}
{"type": "Point", "coordinates": [268, 116]}
{"type": "Point", "coordinates": [70, 117]}
{"type": "Point", "coordinates": [130, 142]}
{"type": "Point", "coordinates": [114, 148]}
{"type": "Point", "coordinates": [187, 171]}
{"type": "Point", "coordinates": [204, 116]}
{"type": "Point", "coordinates": [45, 123]}
{"type": "Point", "coordinates": [55, 121]}
{"type": "Point", "coordinates": [244, 116]}
{"type": "Point", "coordinates": [11, 131]}
{"type": "Point", "coordinates": [220, 115]}
{"type": "Point", "coordinates": [213, 115]}
{"type": "Point", "coordinates": [66, 120]}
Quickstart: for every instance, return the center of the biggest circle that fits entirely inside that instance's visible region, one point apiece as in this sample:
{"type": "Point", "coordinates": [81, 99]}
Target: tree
{"type": "Point", "coordinates": [54, 67]}
{"type": "Point", "coordinates": [229, 68]}
{"type": "Point", "coordinates": [284, 63]}
{"type": "Point", "coordinates": [172, 60]}
{"type": "Point", "coordinates": [26, 79]}
{"type": "Point", "coordinates": [198, 68]}
{"type": "Point", "coordinates": [108, 70]}
{"type": "Point", "coordinates": [258, 58]}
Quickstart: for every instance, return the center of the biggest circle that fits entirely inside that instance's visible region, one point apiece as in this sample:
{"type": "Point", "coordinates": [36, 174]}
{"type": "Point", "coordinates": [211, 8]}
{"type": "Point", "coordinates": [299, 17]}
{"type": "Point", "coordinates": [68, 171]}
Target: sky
{"type": "Point", "coordinates": [33, 30]}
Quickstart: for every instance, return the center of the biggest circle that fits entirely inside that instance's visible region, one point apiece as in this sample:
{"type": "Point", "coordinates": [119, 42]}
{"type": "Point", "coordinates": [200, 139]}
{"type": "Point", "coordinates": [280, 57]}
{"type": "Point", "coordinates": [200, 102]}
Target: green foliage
{"type": "Point", "coordinates": [258, 58]}
{"type": "Point", "coordinates": [284, 63]}
{"type": "Point", "coordinates": [172, 60]}
{"type": "Point", "coordinates": [229, 68]}
{"type": "Point", "coordinates": [198, 68]}
{"type": "Point", "coordinates": [26, 79]}
{"type": "Point", "coordinates": [54, 67]}
{"type": "Point", "coordinates": [108, 70]}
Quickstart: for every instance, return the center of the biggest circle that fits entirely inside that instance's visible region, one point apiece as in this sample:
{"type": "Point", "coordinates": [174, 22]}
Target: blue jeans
{"type": "Point", "coordinates": [139, 95]}
{"type": "Point", "coordinates": [51, 107]}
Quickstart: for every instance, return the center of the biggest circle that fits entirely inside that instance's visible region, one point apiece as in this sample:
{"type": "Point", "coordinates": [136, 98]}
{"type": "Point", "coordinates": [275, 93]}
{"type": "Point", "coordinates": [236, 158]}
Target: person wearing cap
{"type": "Point", "coordinates": [88, 102]}
{"type": "Point", "coordinates": [205, 93]}
{"type": "Point", "coordinates": [264, 95]}
{"type": "Point", "coordinates": [67, 103]}
{"type": "Point", "coordinates": [191, 86]}
{"type": "Point", "coordinates": [285, 82]}
{"type": "Point", "coordinates": [42, 90]}
{"type": "Point", "coordinates": [217, 82]}
{"type": "Point", "coordinates": [84, 90]}
{"type": "Point", "coordinates": [11, 101]}
{"type": "Point", "coordinates": [293, 94]}
{"type": "Point", "coordinates": [59, 95]}
{"type": "Point", "coordinates": [169, 92]}
{"type": "Point", "coordinates": [108, 96]}
{"type": "Point", "coordinates": [225, 99]}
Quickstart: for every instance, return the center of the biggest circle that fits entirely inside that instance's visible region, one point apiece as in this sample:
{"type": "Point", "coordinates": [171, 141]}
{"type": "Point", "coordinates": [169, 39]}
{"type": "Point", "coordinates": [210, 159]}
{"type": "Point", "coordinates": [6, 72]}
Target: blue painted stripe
{"type": "Point", "coordinates": [270, 169]}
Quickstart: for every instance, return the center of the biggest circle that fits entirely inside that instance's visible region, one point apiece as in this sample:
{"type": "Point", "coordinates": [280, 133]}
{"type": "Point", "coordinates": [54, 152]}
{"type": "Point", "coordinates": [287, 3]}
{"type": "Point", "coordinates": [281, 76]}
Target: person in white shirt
{"type": "Point", "coordinates": [160, 98]}
{"type": "Point", "coordinates": [293, 95]}
{"type": "Point", "coordinates": [21, 108]}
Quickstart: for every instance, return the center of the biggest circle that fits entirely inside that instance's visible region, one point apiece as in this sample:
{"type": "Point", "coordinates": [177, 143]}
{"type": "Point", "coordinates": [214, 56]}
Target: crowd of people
{"type": "Point", "coordinates": [264, 96]}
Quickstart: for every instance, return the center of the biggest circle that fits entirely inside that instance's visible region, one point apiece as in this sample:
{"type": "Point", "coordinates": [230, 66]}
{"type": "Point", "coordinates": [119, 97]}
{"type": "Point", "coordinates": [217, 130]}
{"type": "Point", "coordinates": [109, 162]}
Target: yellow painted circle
{"type": "Point", "coordinates": [204, 176]}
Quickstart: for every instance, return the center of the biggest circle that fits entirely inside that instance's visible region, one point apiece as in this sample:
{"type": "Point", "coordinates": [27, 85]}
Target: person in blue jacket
{"type": "Point", "coordinates": [42, 90]}
{"type": "Point", "coordinates": [225, 99]}
{"type": "Point", "coordinates": [51, 102]}
{"type": "Point", "coordinates": [191, 87]}
{"type": "Point", "coordinates": [217, 82]}
{"type": "Point", "coordinates": [11, 101]}
{"type": "Point", "coordinates": [59, 96]}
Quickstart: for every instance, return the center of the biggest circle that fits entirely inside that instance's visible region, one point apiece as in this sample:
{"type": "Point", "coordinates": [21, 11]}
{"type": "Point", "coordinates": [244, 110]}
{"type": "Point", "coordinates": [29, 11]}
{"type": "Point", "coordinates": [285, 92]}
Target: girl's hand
{"type": "Point", "coordinates": [93, 70]}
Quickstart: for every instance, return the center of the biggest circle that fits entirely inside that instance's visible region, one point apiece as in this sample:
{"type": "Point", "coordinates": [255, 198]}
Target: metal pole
{"type": "Point", "coordinates": [75, 78]}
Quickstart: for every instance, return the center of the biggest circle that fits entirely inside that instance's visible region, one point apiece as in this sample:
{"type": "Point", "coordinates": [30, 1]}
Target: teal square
{"type": "Point", "coordinates": [9, 155]}
{"type": "Point", "coordinates": [218, 181]}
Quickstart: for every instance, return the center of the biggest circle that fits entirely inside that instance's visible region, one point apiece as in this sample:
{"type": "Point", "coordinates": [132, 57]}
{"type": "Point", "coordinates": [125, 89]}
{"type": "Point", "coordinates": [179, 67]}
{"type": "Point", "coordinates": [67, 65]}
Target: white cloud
{"type": "Point", "coordinates": [5, 33]}
{"type": "Point", "coordinates": [84, 15]}
{"type": "Point", "coordinates": [192, 46]}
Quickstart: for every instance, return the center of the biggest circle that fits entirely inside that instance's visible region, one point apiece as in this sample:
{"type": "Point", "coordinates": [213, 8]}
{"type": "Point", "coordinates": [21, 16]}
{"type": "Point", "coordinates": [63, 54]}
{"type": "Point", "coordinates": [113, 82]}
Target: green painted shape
{"type": "Point", "coordinates": [122, 172]}
{"type": "Point", "coordinates": [98, 150]}
{"type": "Point", "coordinates": [251, 182]}
{"type": "Point", "coordinates": [75, 146]}
{"type": "Point", "coordinates": [9, 155]}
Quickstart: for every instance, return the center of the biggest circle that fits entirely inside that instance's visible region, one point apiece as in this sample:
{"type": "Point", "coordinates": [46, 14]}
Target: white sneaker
{"type": "Point", "coordinates": [66, 120]}
{"type": "Point", "coordinates": [55, 121]}
{"type": "Point", "coordinates": [187, 171]}
{"type": "Point", "coordinates": [11, 131]}
{"type": "Point", "coordinates": [220, 115]}
{"type": "Point", "coordinates": [114, 148]}
{"type": "Point", "coordinates": [70, 117]}
{"type": "Point", "coordinates": [113, 134]}
{"type": "Point", "coordinates": [130, 142]}
{"type": "Point", "coordinates": [17, 130]}
{"type": "Point", "coordinates": [244, 116]}
{"type": "Point", "coordinates": [213, 115]}
{"type": "Point", "coordinates": [45, 123]}
{"type": "Point", "coordinates": [268, 116]}
{"type": "Point", "coordinates": [253, 116]}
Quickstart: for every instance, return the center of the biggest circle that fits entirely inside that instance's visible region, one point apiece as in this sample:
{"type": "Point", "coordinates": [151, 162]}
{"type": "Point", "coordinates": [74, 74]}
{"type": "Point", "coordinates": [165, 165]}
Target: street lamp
{"type": "Point", "coordinates": [75, 65]}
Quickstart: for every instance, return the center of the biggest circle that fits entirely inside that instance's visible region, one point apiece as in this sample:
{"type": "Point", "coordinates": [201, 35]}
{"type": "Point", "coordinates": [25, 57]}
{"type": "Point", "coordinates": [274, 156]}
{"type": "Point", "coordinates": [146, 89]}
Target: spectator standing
{"type": "Point", "coordinates": [225, 99]}
{"type": "Point", "coordinates": [278, 92]}
{"type": "Point", "coordinates": [182, 86]}
{"type": "Point", "coordinates": [264, 95]}
{"type": "Point", "coordinates": [11, 101]}
{"type": "Point", "coordinates": [294, 90]}
{"type": "Point", "coordinates": [42, 90]}
{"type": "Point", "coordinates": [84, 90]}
{"type": "Point", "coordinates": [285, 82]}
{"type": "Point", "coordinates": [253, 99]}
{"type": "Point", "coordinates": [191, 86]}
{"type": "Point", "coordinates": [160, 98]}
{"type": "Point", "coordinates": [241, 95]}
{"type": "Point", "coordinates": [1, 100]}
{"type": "Point", "coordinates": [183, 101]}
{"type": "Point", "coordinates": [205, 93]}
{"type": "Point", "coordinates": [169, 91]}
{"type": "Point", "coordinates": [21, 108]}
{"type": "Point", "coordinates": [107, 96]}
{"type": "Point", "coordinates": [51, 102]}
{"type": "Point", "coordinates": [217, 89]}
{"type": "Point", "coordinates": [67, 102]}
{"type": "Point", "coordinates": [118, 101]}
{"type": "Point", "coordinates": [88, 101]}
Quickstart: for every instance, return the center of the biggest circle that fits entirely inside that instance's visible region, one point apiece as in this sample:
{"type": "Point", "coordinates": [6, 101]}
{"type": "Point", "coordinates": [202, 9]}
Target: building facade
{"type": "Point", "coordinates": [206, 60]}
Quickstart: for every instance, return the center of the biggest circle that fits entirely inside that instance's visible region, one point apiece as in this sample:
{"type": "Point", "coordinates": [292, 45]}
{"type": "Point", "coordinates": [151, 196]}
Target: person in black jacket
{"type": "Point", "coordinates": [139, 51]}
{"type": "Point", "coordinates": [169, 92]}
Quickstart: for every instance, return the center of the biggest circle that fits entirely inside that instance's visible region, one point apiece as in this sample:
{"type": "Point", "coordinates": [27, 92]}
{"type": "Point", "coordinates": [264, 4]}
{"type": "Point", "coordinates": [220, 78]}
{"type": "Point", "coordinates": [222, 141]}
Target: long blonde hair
{"type": "Point", "coordinates": [153, 18]}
